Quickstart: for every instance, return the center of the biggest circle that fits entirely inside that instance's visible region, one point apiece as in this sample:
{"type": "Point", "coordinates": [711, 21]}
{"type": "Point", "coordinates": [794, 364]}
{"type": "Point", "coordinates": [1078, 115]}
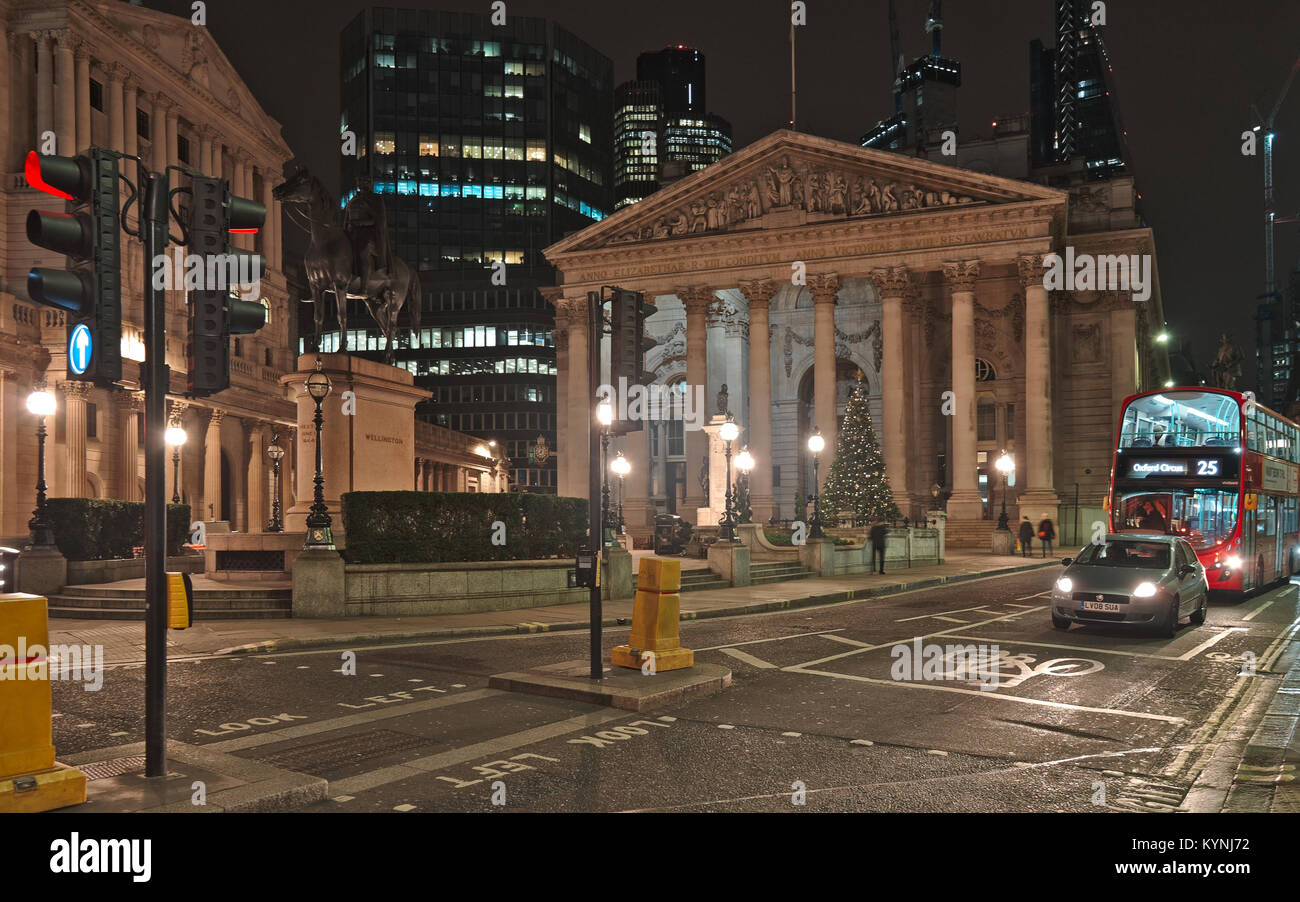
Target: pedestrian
{"type": "Point", "coordinates": [1026, 536]}
{"type": "Point", "coordinates": [1046, 532]}
{"type": "Point", "coordinates": [877, 535]}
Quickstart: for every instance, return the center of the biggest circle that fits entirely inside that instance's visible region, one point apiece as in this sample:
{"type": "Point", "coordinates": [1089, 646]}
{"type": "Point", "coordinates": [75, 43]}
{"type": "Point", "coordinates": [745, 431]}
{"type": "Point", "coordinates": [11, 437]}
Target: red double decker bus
{"type": "Point", "coordinates": [1218, 469]}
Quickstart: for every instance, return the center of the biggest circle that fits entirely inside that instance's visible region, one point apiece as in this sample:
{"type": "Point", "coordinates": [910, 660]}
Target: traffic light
{"type": "Point", "coordinates": [629, 343]}
{"type": "Point", "coordinates": [218, 311]}
{"type": "Point", "coordinates": [90, 289]}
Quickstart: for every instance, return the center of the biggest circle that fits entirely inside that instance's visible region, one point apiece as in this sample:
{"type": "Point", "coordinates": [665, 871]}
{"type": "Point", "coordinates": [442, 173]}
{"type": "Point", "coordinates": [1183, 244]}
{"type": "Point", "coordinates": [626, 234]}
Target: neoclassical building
{"type": "Point", "coordinates": [789, 268]}
{"type": "Point", "coordinates": [135, 80]}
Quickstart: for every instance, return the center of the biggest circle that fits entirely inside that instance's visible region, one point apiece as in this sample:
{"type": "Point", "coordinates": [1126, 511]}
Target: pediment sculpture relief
{"type": "Point", "coordinates": [798, 186]}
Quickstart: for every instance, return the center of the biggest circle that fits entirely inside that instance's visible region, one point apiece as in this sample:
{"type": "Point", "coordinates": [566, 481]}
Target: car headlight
{"type": "Point", "coordinates": [1065, 584]}
{"type": "Point", "coordinates": [1144, 590]}
{"type": "Point", "coordinates": [1234, 562]}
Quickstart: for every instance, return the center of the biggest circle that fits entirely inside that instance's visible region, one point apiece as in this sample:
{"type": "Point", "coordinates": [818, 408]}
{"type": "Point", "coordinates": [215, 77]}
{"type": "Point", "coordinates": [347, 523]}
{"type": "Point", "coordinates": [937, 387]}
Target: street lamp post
{"type": "Point", "coordinates": [41, 403]}
{"type": "Point", "coordinates": [816, 444]}
{"type": "Point", "coordinates": [729, 433]}
{"type": "Point", "coordinates": [621, 468]}
{"type": "Point", "coordinates": [1006, 465]}
{"type": "Point", "coordinates": [319, 534]}
{"type": "Point", "coordinates": [276, 453]}
{"type": "Point", "coordinates": [605, 415]}
{"type": "Point", "coordinates": [744, 463]}
{"type": "Point", "coordinates": [175, 437]}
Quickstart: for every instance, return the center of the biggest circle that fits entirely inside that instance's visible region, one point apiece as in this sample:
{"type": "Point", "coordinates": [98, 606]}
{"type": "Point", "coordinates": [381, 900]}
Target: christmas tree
{"type": "Point", "coordinates": [857, 480]}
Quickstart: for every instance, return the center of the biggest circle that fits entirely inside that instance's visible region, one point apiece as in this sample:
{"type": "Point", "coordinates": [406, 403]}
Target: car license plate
{"type": "Point", "coordinates": [1105, 606]}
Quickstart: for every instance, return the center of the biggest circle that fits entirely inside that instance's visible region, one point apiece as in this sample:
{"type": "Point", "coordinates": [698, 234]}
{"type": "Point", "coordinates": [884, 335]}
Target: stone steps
{"type": "Point", "coordinates": [777, 572]}
{"type": "Point", "coordinates": [971, 533]}
{"type": "Point", "coordinates": [94, 603]}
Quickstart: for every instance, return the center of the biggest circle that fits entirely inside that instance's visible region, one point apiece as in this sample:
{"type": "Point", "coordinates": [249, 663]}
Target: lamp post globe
{"type": "Point", "coordinates": [41, 403]}
{"type": "Point", "coordinates": [319, 534]}
{"type": "Point", "coordinates": [816, 445]}
{"type": "Point", "coordinates": [729, 432]}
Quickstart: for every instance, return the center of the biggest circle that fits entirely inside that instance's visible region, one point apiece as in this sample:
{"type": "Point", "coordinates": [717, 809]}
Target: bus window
{"type": "Point", "coordinates": [1181, 419]}
{"type": "Point", "coordinates": [1204, 517]}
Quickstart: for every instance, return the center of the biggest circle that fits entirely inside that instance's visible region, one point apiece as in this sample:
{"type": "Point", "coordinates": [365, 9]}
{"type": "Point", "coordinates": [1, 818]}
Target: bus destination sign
{"type": "Point", "coordinates": [1218, 468]}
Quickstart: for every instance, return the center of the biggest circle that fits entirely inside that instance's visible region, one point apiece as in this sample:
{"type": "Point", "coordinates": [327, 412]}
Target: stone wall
{"type": "Point", "coordinates": [457, 588]}
{"type": "Point", "coordinates": [82, 573]}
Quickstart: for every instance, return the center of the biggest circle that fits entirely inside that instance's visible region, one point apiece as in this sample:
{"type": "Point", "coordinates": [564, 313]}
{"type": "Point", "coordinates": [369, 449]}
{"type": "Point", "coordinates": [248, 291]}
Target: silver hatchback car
{"type": "Point", "coordinates": [1137, 578]}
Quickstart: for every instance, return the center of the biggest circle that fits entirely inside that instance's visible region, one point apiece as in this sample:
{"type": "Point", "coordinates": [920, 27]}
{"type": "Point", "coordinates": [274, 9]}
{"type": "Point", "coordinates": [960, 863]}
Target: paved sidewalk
{"type": "Point", "coordinates": [124, 642]}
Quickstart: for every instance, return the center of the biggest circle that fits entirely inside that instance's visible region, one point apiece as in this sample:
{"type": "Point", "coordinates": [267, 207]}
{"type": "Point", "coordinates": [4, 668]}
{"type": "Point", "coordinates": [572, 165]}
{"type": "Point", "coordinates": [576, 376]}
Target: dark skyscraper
{"type": "Point", "coordinates": [925, 97]}
{"type": "Point", "coordinates": [1086, 115]}
{"type": "Point", "coordinates": [662, 130]}
{"type": "Point", "coordinates": [486, 143]}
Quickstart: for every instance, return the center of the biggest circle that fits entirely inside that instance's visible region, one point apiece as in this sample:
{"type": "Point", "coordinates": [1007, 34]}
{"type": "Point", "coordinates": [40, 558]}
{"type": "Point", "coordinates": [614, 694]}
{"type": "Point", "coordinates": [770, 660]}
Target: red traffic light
{"type": "Point", "coordinates": [65, 177]}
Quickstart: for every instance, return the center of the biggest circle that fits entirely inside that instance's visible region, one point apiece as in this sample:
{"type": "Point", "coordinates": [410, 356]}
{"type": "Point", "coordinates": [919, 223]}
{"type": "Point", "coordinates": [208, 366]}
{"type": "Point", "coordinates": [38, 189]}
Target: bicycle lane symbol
{"type": "Point", "coordinates": [1002, 669]}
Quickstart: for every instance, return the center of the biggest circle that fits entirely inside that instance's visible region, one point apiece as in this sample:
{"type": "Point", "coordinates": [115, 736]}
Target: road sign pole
{"type": "Point", "coordinates": [154, 222]}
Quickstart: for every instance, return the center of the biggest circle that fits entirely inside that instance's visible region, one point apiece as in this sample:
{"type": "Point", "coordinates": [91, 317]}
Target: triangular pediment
{"type": "Point", "coordinates": [789, 178]}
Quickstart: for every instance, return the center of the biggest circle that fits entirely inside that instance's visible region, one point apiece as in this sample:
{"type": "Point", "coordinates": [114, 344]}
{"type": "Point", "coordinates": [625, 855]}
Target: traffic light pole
{"type": "Point", "coordinates": [153, 227]}
{"type": "Point", "coordinates": [595, 328]}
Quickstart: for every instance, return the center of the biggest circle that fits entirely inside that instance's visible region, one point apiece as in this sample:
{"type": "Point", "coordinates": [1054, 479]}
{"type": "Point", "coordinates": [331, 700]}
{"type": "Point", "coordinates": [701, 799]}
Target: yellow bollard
{"type": "Point", "coordinates": [655, 619]}
{"type": "Point", "coordinates": [30, 778]}
{"type": "Point", "coordinates": [180, 601]}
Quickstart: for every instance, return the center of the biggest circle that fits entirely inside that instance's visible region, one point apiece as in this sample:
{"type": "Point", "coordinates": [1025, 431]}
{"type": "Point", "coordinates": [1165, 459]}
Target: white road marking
{"type": "Point", "coordinates": [861, 742]}
{"type": "Point", "coordinates": [725, 726]}
{"type": "Point", "coordinates": [1103, 651]}
{"type": "Point", "coordinates": [343, 798]}
{"type": "Point", "coordinates": [304, 667]}
{"type": "Point", "coordinates": [907, 684]}
{"type": "Point", "coordinates": [950, 619]}
{"type": "Point", "coordinates": [1209, 642]}
{"type": "Point", "coordinates": [941, 613]}
{"type": "Point", "coordinates": [748, 658]}
{"type": "Point", "coordinates": [1043, 594]}
{"type": "Point", "coordinates": [403, 807]}
{"type": "Point", "coordinates": [119, 734]}
{"type": "Point", "coordinates": [1256, 611]}
{"type": "Point", "coordinates": [940, 752]}
{"type": "Point", "coordinates": [772, 639]}
{"type": "Point", "coordinates": [792, 734]}
{"type": "Point", "coordinates": [847, 641]}
{"type": "Point", "coordinates": [666, 719]}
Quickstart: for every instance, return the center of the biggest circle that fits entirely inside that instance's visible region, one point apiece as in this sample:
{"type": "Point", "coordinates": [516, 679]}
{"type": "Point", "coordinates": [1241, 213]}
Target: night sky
{"type": "Point", "coordinates": [1187, 72]}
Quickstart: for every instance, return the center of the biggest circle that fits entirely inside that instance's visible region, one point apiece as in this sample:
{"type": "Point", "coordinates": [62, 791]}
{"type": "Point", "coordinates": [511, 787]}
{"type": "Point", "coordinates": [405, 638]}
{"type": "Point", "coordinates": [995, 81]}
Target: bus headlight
{"type": "Point", "coordinates": [1065, 584]}
{"type": "Point", "coordinates": [1234, 562]}
{"type": "Point", "coordinates": [1144, 590]}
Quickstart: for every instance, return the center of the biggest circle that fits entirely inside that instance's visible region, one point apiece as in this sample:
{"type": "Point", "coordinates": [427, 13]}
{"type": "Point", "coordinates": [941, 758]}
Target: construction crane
{"type": "Point", "coordinates": [1270, 213]}
{"type": "Point", "coordinates": [934, 25]}
{"type": "Point", "coordinates": [896, 57]}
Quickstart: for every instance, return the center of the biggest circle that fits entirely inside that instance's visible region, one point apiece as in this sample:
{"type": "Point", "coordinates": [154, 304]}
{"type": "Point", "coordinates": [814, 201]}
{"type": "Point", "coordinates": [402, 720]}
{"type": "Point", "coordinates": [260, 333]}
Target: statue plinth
{"type": "Point", "coordinates": [712, 514]}
{"type": "Point", "coordinates": [368, 440]}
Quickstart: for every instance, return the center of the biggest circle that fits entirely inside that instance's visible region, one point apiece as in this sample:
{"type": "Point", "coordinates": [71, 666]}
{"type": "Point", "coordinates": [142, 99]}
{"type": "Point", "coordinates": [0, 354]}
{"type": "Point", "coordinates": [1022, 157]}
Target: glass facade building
{"type": "Point", "coordinates": [662, 129]}
{"type": "Point", "coordinates": [486, 143]}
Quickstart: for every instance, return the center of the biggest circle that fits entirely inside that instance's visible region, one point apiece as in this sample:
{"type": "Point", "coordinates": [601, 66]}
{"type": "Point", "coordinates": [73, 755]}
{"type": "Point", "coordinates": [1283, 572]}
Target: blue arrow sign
{"type": "Point", "coordinates": [80, 347]}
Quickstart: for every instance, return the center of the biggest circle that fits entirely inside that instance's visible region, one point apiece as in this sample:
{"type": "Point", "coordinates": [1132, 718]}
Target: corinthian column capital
{"type": "Point", "coordinates": [893, 282]}
{"type": "Point", "coordinates": [961, 275]}
{"type": "Point", "coordinates": [824, 287]}
{"type": "Point", "coordinates": [1032, 270]}
{"type": "Point", "coordinates": [696, 298]}
{"type": "Point", "coordinates": [758, 292]}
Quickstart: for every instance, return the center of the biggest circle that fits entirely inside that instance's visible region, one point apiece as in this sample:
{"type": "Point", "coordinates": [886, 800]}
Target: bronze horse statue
{"type": "Point", "coordinates": [331, 266]}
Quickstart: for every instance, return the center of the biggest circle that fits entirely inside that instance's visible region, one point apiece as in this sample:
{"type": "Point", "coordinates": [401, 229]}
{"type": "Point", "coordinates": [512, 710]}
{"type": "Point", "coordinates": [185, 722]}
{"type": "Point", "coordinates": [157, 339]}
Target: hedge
{"type": "Point", "coordinates": [95, 529]}
{"type": "Point", "coordinates": [436, 527]}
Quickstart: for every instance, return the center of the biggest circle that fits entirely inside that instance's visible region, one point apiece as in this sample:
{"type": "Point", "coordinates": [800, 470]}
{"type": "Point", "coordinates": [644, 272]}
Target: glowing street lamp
{"type": "Point", "coordinates": [175, 437]}
{"type": "Point", "coordinates": [41, 403]}
{"type": "Point", "coordinates": [319, 534]}
{"type": "Point", "coordinates": [276, 453]}
{"type": "Point", "coordinates": [817, 444]}
{"type": "Point", "coordinates": [729, 433]}
{"type": "Point", "coordinates": [621, 468]}
{"type": "Point", "coordinates": [1006, 465]}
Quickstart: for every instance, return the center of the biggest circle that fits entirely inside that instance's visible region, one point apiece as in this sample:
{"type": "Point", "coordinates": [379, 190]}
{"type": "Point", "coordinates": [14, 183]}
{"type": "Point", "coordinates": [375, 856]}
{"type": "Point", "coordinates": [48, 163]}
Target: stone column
{"type": "Point", "coordinates": [158, 132]}
{"type": "Point", "coordinates": [205, 150]}
{"type": "Point", "coordinates": [824, 288]}
{"type": "Point", "coordinates": [75, 395]}
{"type": "Point", "coordinates": [965, 502]}
{"type": "Point", "coordinates": [256, 476]}
{"type": "Point", "coordinates": [696, 299]}
{"type": "Point", "coordinates": [82, 55]}
{"type": "Point", "coordinates": [579, 398]}
{"type": "Point", "coordinates": [116, 133]}
{"type": "Point", "coordinates": [44, 87]}
{"type": "Point", "coordinates": [758, 434]}
{"type": "Point", "coordinates": [269, 228]}
{"type": "Point", "coordinates": [129, 405]}
{"type": "Point", "coordinates": [561, 337]}
{"type": "Point", "coordinates": [211, 500]}
{"type": "Point", "coordinates": [895, 286]}
{"type": "Point", "coordinates": [171, 134]}
{"type": "Point", "coordinates": [65, 103]}
{"type": "Point", "coordinates": [1039, 492]}
{"type": "Point", "coordinates": [130, 136]}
